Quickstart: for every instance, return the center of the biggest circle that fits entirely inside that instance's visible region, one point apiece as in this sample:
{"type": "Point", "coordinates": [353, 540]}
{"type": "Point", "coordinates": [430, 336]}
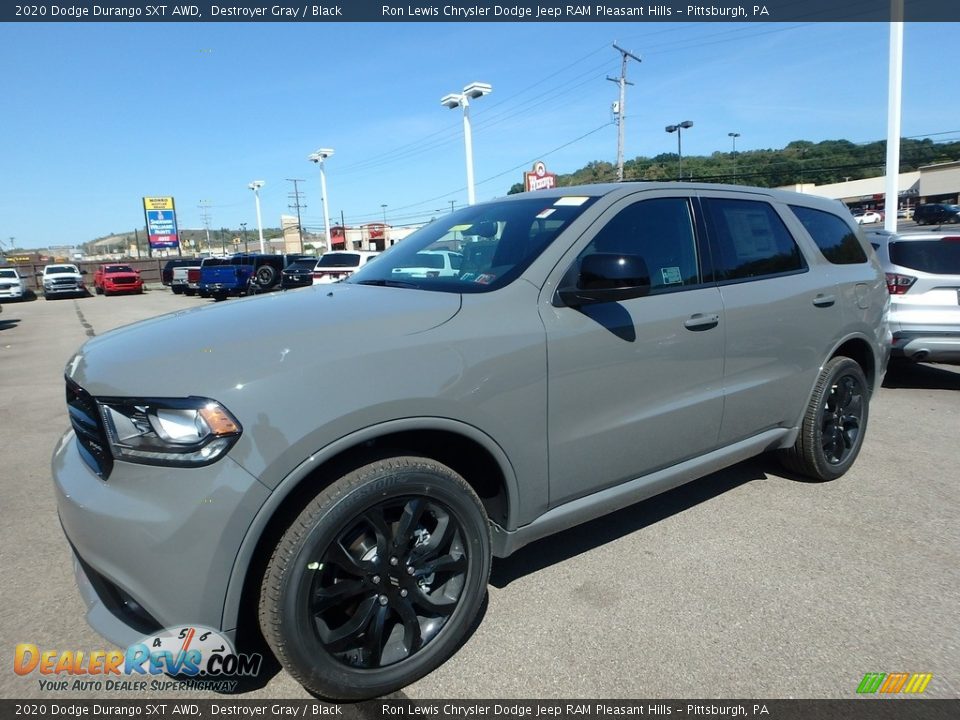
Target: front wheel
{"type": "Point", "coordinates": [378, 580]}
{"type": "Point", "coordinates": [833, 427]}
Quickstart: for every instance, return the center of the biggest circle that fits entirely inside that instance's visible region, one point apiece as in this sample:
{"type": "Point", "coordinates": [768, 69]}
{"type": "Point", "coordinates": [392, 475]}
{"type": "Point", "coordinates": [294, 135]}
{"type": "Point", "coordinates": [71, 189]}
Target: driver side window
{"type": "Point", "coordinates": [661, 232]}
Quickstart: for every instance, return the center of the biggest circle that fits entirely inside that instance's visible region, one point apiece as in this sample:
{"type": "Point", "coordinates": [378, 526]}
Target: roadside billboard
{"type": "Point", "coordinates": [161, 218]}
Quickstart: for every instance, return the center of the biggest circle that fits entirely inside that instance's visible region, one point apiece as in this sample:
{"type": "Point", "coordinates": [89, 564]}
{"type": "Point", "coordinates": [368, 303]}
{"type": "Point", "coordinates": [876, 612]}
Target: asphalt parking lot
{"type": "Point", "coordinates": [743, 584]}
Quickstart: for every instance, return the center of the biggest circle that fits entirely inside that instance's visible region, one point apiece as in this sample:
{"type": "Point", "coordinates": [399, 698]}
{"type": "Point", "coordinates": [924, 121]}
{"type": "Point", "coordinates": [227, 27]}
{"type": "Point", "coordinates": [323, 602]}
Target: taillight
{"type": "Point", "coordinates": [899, 284]}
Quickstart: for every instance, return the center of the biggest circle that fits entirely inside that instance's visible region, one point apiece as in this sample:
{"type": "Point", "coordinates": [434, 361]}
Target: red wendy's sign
{"type": "Point", "coordinates": [375, 230]}
{"type": "Point", "coordinates": [538, 178]}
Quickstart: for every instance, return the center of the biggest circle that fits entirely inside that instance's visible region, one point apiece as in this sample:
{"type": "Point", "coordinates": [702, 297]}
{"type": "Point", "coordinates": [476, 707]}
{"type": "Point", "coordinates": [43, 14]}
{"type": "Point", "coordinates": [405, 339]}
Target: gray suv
{"type": "Point", "coordinates": [342, 484]}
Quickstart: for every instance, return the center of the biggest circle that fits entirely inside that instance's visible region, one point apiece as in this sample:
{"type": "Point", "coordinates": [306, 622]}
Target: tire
{"type": "Point", "coordinates": [99, 290]}
{"type": "Point", "coordinates": [219, 297]}
{"type": "Point", "coordinates": [834, 424]}
{"type": "Point", "coordinates": [189, 293]}
{"type": "Point", "coordinates": [265, 276]}
{"type": "Point", "coordinates": [393, 620]}
{"type": "Point", "coordinates": [177, 289]}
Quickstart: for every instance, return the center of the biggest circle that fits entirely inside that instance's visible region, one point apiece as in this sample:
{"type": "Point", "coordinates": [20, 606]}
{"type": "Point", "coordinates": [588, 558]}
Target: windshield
{"type": "Point", "coordinates": [302, 264]}
{"type": "Point", "coordinates": [118, 269]}
{"type": "Point", "coordinates": [336, 259]}
{"type": "Point", "coordinates": [9, 274]}
{"type": "Point", "coordinates": [940, 257]}
{"type": "Point", "coordinates": [61, 269]}
{"type": "Point", "coordinates": [487, 246]}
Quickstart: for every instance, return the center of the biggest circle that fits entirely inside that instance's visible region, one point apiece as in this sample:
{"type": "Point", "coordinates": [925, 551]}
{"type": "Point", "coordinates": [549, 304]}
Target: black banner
{"type": "Point", "coordinates": [485, 11]}
{"type": "Point", "coordinates": [853, 709]}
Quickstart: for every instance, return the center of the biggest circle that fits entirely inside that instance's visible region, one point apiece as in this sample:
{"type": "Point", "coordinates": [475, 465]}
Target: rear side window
{"type": "Point", "coordinates": [833, 236]}
{"type": "Point", "coordinates": [751, 241]}
{"type": "Point", "coordinates": [939, 257]}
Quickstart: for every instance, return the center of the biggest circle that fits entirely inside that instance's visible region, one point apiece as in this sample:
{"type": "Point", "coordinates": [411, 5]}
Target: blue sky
{"type": "Point", "coordinates": [96, 116]}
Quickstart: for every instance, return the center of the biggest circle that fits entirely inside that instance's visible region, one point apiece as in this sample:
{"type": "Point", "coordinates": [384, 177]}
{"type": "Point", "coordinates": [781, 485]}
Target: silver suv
{"type": "Point", "coordinates": [923, 278]}
{"type": "Point", "coordinates": [342, 484]}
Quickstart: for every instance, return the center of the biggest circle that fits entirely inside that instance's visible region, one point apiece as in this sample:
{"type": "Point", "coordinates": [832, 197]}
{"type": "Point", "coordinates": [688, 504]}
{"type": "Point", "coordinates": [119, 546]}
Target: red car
{"type": "Point", "coordinates": [111, 279]}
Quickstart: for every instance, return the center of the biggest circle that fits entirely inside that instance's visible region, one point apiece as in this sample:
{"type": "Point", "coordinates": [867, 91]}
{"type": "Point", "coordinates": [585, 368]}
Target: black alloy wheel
{"type": "Point", "coordinates": [841, 419]}
{"type": "Point", "coordinates": [389, 582]}
{"type": "Point", "coordinates": [833, 426]}
{"type": "Point", "coordinates": [378, 580]}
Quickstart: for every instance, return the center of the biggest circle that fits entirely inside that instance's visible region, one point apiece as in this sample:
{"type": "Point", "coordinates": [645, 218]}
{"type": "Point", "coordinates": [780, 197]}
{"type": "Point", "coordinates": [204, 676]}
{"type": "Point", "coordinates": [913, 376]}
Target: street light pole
{"type": "Point", "coordinates": [244, 226]}
{"type": "Point", "coordinates": [470, 92]}
{"type": "Point", "coordinates": [255, 186]}
{"type": "Point", "coordinates": [318, 157]}
{"type": "Point", "coordinates": [678, 129]}
{"type": "Point", "coordinates": [733, 136]}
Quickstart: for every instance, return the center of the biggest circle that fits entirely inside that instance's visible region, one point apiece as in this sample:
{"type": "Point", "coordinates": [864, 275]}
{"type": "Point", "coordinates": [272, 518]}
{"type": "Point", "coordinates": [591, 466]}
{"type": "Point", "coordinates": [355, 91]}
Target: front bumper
{"type": "Point", "coordinates": [153, 545]}
{"type": "Point", "coordinates": [64, 289]}
{"type": "Point", "coordinates": [11, 293]}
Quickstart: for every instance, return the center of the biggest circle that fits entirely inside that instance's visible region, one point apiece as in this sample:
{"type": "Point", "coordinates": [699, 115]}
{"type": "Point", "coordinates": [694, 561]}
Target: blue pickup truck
{"type": "Point", "coordinates": [242, 274]}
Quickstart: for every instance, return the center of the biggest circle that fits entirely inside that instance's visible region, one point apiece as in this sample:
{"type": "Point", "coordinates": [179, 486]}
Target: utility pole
{"type": "Point", "coordinates": [295, 196]}
{"type": "Point", "coordinates": [621, 105]}
{"type": "Point", "coordinates": [205, 216]}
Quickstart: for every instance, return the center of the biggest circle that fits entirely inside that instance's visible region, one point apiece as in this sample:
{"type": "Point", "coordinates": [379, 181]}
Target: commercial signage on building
{"type": "Point", "coordinates": [538, 178]}
{"type": "Point", "coordinates": [161, 218]}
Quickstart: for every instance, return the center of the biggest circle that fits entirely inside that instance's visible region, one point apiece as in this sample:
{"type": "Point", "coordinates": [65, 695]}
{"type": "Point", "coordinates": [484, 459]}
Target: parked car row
{"type": "Point", "coordinates": [251, 273]}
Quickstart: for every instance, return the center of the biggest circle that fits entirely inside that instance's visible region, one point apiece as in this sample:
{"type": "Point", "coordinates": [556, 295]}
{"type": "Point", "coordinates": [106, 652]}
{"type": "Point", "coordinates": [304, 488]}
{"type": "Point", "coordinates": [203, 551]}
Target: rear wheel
{"type": "Point", "coordinates": [834, 424]}
{"type": "Point", "coordinates": [378, 580]}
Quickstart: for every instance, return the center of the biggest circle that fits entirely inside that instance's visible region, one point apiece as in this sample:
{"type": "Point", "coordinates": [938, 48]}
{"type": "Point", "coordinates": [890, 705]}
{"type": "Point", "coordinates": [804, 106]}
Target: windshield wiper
{"type": "Point", "coordinates": [389, 283]}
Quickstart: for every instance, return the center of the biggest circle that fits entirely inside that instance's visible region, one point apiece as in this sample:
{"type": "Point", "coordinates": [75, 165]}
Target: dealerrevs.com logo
{"type": "Point", "coordinates": [197, 657]}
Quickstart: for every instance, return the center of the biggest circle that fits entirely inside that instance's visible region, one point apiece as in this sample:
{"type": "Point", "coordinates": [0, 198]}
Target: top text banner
{"type": "Point", "coordinates": [487, 11]}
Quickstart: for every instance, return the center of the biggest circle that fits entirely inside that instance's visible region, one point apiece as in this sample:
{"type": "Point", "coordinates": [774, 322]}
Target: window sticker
{"type": "Point", "coordinates": [460, 228]}
{"type": "Point", "coordinates": [671, 275]}
{"type": "Point", "coordinates": [485, 278]}
{"type": "Point", "coordinates": [571, 200]}
{"type": "Point", "coordinates": [545, 214]}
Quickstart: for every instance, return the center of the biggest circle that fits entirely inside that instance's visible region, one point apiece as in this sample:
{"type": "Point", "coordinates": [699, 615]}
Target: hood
{"type": "Point", "coordinates": [209, 350]}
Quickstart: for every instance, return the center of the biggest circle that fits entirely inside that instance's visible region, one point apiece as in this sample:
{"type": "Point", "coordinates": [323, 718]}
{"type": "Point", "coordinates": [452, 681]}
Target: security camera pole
{"type": "Point", "coordinates": [318, 157]}
{"type": "Point", "coordinates": [255, 186]}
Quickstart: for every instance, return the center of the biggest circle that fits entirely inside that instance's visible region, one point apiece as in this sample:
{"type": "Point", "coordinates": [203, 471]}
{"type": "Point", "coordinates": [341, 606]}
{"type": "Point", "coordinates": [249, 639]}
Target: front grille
{"type": "Point", "coordinates": [67, 281]}
{"type": "Point", "coordinates": [124, 281]}
{"type": "Point", "coordinates": [88, 425]}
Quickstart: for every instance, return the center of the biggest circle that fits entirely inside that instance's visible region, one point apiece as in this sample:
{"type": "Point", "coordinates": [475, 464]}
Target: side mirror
{"type": "Point", "coordinates": [83, 272]}
{"type": "Point", "coordinates": [608, 277]}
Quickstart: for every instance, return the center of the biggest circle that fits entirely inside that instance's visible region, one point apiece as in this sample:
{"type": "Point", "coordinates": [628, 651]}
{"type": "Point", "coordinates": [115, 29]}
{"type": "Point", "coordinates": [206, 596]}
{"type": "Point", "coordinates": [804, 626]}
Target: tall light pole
{"type": "Point", "coordinates": [244, 227]}
{"type": "Point", "coordinates": [255, 186]}
{"type": "Point", "coordinates": [470, 92]}
{"type": "Point", "coordinates": [678, 129]}
{"type": "Point", "coordinates": [733, 136]}
{"type": "Point", "coordinates": [318, 157]}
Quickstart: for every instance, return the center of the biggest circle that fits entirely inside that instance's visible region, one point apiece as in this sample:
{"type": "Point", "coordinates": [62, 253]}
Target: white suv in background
{"type": "Point", "coordinates": [12, 286]}
{"type": "Point", "coordinates": [338, 265]}
{"type": "Point", "coordinates": [923, 279]}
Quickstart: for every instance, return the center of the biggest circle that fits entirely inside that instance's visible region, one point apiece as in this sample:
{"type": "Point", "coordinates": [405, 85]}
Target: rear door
{"type": "Point", "coordinates": [780, 316]}
{"type": "Point", "coordinates": [634, 386]}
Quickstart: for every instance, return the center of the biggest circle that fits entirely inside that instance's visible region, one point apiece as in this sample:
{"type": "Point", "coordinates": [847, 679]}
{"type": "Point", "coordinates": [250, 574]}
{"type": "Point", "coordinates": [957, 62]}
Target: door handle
{"type": "Point", "coordinates": [822, 300]}
{"type": "Point", "coordinates": [699, 321]}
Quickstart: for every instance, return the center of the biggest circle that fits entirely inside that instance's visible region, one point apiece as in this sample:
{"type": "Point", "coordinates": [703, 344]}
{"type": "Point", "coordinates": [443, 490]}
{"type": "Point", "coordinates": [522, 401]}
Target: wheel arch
{"type": "Point", "coordinates": [859, 349]}
{"type": "Point", "coordinates": [464, 448]}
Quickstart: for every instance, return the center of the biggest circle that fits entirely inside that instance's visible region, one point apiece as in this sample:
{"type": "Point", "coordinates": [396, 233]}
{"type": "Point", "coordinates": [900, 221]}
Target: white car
{"type": "Point", "coordinates": [868, 218]}
{"type": "Point", "coordinates": [431, 263]}
{"type": "Point", "coordinates": [12, 285]}
{"type": "Point", "coordinates": [338, 265]}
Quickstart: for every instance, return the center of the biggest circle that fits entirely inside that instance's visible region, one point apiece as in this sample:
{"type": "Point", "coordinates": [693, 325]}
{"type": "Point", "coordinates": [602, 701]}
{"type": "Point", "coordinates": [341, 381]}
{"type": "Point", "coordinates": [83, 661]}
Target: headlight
{"type": "Point", "coordinates": [183, 432]}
